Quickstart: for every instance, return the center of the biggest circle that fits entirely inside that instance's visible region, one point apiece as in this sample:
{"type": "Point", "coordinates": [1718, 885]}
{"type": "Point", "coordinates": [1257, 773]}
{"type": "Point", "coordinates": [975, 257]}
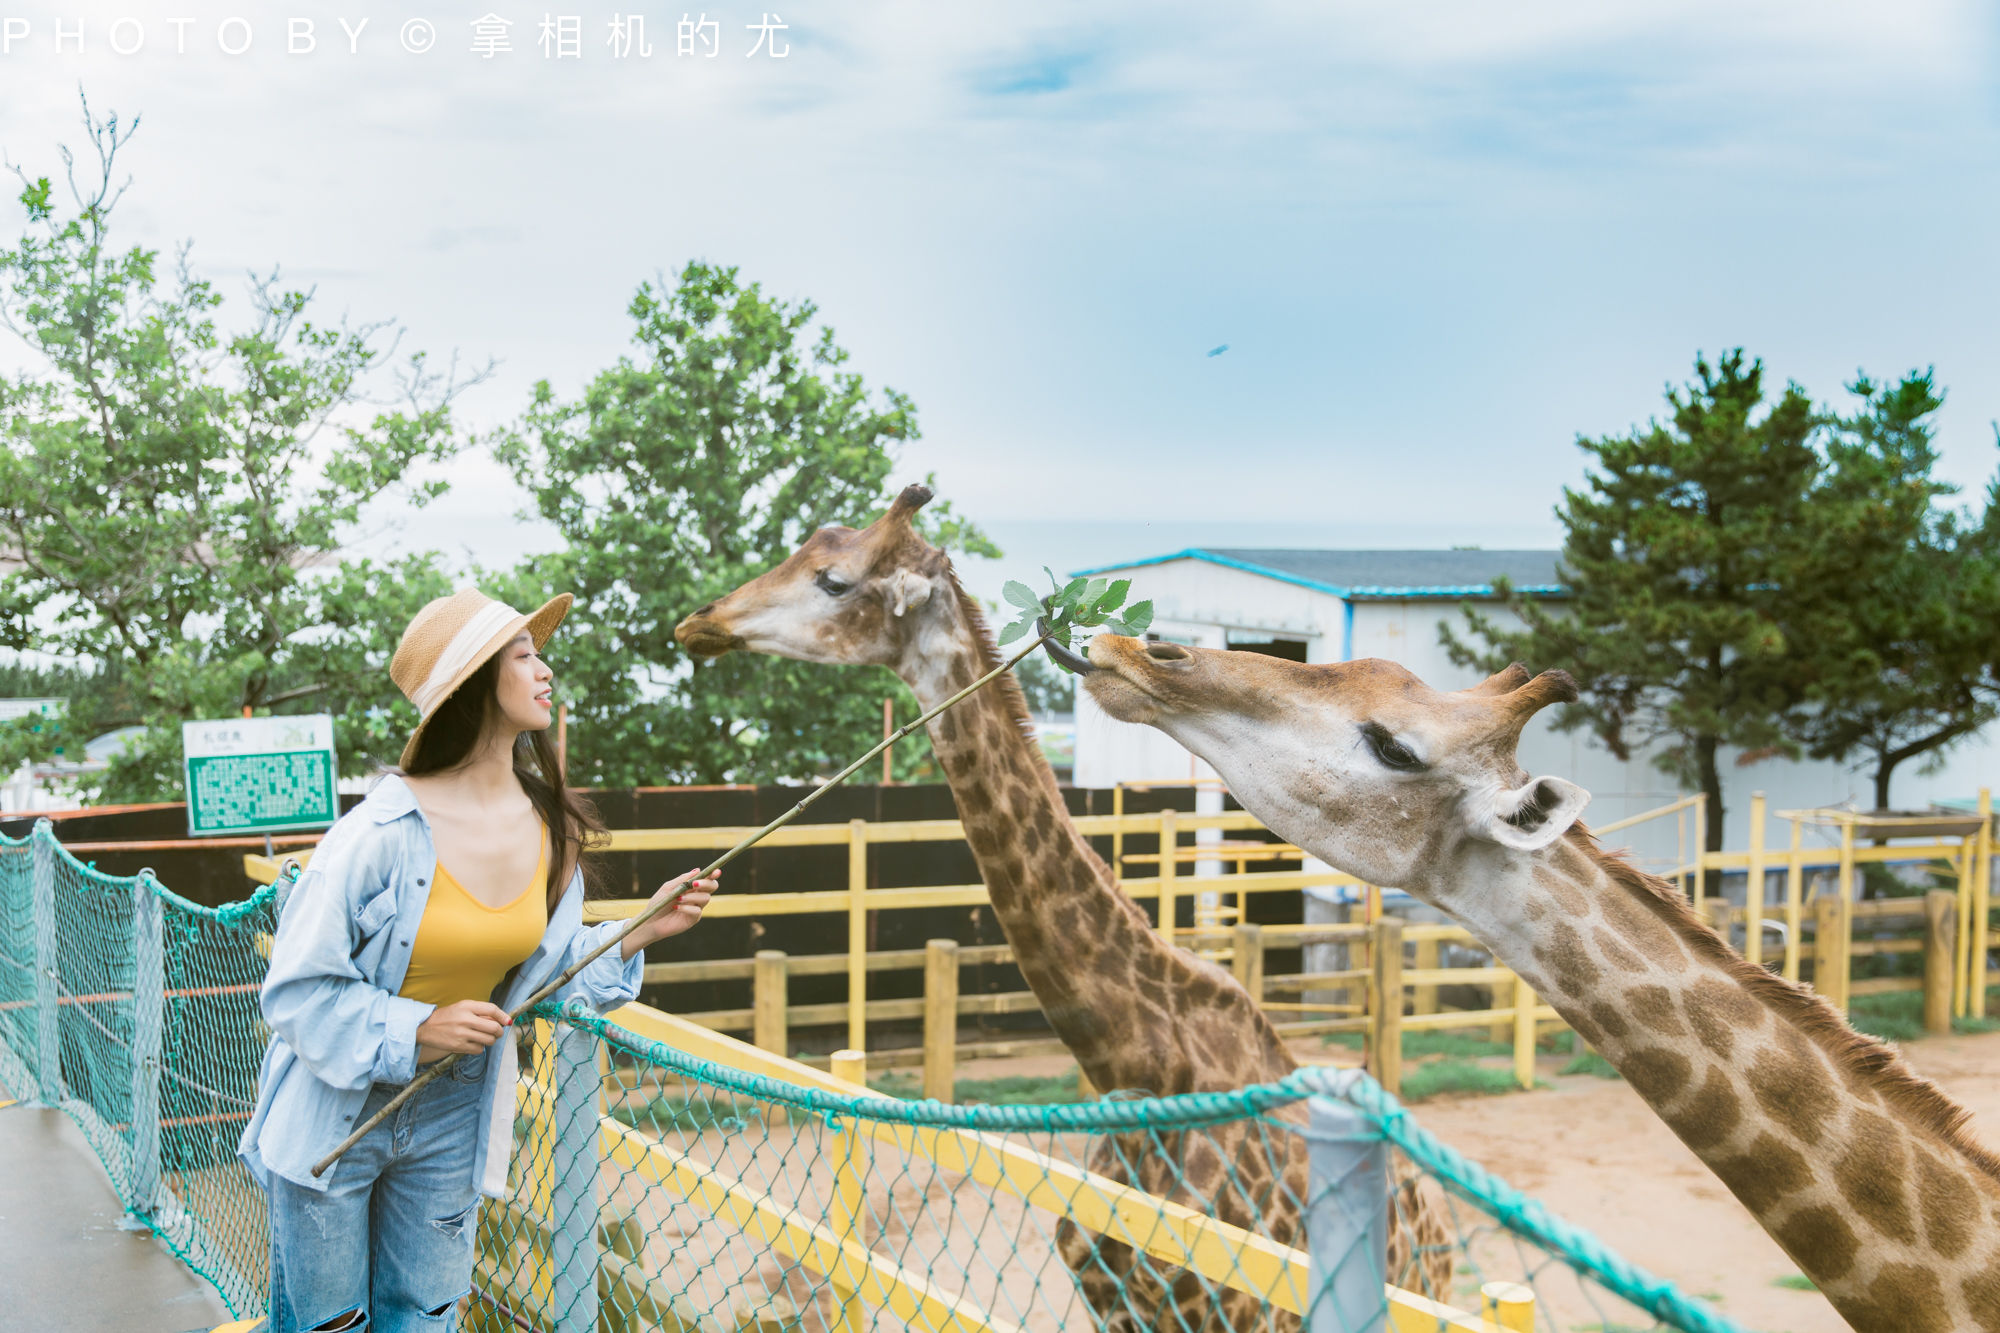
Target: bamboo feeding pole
{"type": "Point", "coordinates": [411, 1088]}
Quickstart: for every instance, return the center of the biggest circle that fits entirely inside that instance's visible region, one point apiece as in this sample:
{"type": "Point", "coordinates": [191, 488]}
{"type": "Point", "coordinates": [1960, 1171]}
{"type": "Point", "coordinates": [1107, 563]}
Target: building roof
{"type": "Point", "coordinates": [1380, 575]}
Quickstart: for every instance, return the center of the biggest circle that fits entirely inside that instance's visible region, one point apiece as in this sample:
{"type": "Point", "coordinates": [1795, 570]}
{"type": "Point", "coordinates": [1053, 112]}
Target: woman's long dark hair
{"type": "Point", "coordinates": [573, 823]}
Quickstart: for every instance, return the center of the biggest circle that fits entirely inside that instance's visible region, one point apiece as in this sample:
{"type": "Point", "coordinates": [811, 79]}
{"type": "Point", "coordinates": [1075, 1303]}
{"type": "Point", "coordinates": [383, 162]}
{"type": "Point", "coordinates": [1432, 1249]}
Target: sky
{"type": "Point", "coordinates": [1439, 240]}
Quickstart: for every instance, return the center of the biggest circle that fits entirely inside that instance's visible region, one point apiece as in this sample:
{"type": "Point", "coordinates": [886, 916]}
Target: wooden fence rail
{"type": "Point", "coordinates": [1953, 938]}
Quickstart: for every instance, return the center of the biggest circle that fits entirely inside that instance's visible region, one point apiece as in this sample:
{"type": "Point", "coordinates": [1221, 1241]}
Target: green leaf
{"type": "Point", "coordinates": [1072, 591]}
{"type": "Point", "coordinates": [1021, 595]}
{"type": "Point", "coordinates": [1113, 597]}
{"type": "Point", "coordinates": [1014, 631]}
{"type": "Point", "coordinates": [1138, 617]}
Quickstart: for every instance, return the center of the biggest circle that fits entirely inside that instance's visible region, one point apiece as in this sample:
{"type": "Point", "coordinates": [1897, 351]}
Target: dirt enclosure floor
{"type": "Point", "coordinates": [1592, 1151]}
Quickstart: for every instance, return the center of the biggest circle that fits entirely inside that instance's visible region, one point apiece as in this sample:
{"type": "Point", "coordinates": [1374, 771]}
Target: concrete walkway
{"type": "Point", "coordinates": [68, 1268]}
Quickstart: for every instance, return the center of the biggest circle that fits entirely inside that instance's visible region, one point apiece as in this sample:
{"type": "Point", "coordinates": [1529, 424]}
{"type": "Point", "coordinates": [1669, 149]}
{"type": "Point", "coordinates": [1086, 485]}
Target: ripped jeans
{"type": "Point", "coordinates": [388, 1247]}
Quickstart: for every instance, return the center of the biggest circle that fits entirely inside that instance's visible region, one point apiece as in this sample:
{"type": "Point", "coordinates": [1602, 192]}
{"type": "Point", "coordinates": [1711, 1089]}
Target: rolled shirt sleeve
{"type": "Point", "coordinates": [609, 980]}
{"type": "Point", "coordinates": [348, 1031]}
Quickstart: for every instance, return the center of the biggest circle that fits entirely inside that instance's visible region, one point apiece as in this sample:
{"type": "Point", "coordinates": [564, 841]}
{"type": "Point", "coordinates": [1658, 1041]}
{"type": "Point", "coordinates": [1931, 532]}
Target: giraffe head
{"type": "Point", "coordinates": [846, 596]}
{"type": "Point", "coordinates": [1360, 762]}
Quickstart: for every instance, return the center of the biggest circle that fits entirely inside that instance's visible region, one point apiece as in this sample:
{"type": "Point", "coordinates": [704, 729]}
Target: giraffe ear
{"type": "Point", "coordinates": [906, 590]}
{"type": "Point", "coordinates": [1530, 817]}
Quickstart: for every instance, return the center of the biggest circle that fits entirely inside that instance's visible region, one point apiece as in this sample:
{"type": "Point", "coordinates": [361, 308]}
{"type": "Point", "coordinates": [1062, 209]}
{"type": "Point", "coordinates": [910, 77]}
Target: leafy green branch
{"type": "Point", "coordinates": [1082, 603]}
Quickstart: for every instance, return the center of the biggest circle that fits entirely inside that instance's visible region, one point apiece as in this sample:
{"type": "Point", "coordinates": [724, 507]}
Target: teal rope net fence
{"type": "Point", "coordinates": [667, 1178]}
{"type": "Point", "coordinates": [135, 1011]}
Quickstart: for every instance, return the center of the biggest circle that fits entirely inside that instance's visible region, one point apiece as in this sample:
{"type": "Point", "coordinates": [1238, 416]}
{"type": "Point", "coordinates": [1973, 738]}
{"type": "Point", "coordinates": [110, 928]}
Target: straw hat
{"type": "Point", "coordinates": [451, 638]}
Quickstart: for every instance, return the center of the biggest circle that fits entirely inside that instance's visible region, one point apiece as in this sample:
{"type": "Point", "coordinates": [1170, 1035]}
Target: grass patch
{"type": "Point", "coordinates": [1899, 1016]}
{"type": "Point", "coordinates": [1016, 1090]}
{"type": "Point", "coordinates": [1441, 1076]}
{"type": "Point", "coordinates": [1590, 1062]}
{"type": "Point", "coordinates": [1794, 1282]}
{"type": "Point", "coordinates": [686, 1113]}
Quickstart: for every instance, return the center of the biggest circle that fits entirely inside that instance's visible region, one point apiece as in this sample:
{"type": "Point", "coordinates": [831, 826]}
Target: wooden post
{"type": "Point", "coordinates": [1753, 895]}
{"type": "Point", "coordinates": [1680, 850]}
{"type": "Point", "coordinates": [1720, 916]}
{"type": "Point", "coordinates": [1524, 1033]}
{"type": "Point", "coordinates": [1795, 881]}
{"type": "Point", "coordinates": [1832, 918]}
{"type": "Point", "coordinates": [857, 934]}
{"type": "Point", "coordinates": [1846, 879]}
{"type": "Point", "coordinates": [769, 993]}
{"type": "Point", "coordinates": [1424, 998]}
{"type": "Point", "coordinates": [1118, 832]}
{"type": "Point", "coordinates": [846, 1214]}
{"type": "Point", "coordinates": [149, 985]}
{"type": "Point", "coordinates": [1961, 980]}
{"type": "Point", "coordinates": [1169, 842]}
{"type": "Point", "coordinates": [1385, 1003]}
{"type": "Point", "coordinates": [888, 730]}
{"type": "Point", "coordinates": [1982, 903]}
{"type": "Point", "coordinates": [1509, 1305]}
{"type": "Point", "coordinates": [1700, 848]}
{"type": "Point", "coordinates": [1248, 964]}
{"type": "Point", "coordinates": [1940, 934]}
{"type": "Point", "coordinates": [940, 1017]}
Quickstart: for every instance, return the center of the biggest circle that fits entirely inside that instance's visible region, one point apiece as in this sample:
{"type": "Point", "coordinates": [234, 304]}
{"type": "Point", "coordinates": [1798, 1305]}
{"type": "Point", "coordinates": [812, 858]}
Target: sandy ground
{"type": "Point", "coordinates": [1593, 1152]}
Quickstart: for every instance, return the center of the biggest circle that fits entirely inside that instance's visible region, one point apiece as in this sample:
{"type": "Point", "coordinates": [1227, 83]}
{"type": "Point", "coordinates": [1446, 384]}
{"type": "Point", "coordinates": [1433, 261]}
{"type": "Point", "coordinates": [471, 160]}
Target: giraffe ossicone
{"type": "Point", "coordinates": [1863, 1172]}
{"type": "Point", "coordinates": [1136, 1012]}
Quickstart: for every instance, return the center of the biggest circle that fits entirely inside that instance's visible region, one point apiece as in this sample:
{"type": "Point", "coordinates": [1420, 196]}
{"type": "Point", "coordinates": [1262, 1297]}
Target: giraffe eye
{"type": "Point", "coordinates": [830, 585]}
{"type": "Point", "coordinates": [1391, 752]}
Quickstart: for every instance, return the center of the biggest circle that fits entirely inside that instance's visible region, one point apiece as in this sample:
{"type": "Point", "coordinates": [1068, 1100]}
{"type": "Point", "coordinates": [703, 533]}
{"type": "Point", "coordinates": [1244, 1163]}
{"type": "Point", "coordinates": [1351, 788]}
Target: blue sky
{"type": "Point", "coordinates": [1440, 240]}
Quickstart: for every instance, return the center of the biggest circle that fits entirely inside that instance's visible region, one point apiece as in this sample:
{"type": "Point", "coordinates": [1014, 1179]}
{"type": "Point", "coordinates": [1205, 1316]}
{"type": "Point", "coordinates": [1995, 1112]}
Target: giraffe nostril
{"type": "Point", "coordinates": [1166, 652]}
{"type": "Point", "coordinates": [705, 610]}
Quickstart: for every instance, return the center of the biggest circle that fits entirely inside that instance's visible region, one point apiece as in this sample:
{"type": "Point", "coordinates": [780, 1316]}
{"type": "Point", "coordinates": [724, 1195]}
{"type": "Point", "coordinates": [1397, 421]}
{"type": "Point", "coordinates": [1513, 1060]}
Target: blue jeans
{"type": "Point", "coordinates": [389, 1243]}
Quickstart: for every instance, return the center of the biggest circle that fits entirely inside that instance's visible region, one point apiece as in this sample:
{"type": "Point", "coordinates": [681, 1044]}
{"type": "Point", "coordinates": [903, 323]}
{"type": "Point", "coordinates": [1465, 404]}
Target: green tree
{"type": "Point", "coordinates": [682, 471]}
{"type": "Point", "coordinates": [1893, 652]}
{"type": "Point", "coordinates": [169, 487]}
{"type": "Point", "coordinates": [1676, 552]}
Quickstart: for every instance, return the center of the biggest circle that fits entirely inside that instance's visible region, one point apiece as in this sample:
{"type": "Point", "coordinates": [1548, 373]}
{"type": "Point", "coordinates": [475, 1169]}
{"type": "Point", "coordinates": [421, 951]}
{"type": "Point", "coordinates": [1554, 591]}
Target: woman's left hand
{"type": "Point", "coordinates": [688, 910]}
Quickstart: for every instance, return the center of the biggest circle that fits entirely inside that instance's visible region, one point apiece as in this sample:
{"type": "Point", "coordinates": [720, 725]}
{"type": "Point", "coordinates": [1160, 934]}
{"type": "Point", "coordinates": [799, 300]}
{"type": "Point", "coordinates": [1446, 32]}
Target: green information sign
{"type": "Point", "coordinates": [260, 775]}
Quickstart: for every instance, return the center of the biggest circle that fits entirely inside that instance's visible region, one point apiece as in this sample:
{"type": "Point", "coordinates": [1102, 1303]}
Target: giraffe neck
{"type": "Point", "coordinates": [1859, 1169]}
{"type": "Point", "coordinates": [1135, 1011]}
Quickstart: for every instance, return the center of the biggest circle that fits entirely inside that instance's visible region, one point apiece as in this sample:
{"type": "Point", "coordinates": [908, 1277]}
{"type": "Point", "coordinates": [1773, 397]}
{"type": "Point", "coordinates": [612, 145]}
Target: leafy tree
{"type": "Point", "coordinates": [168, 485]}
{"type": "Point", "coordinates": [1676, 553]}
{"type": "Point", "coordinates": [682, 471]}
{"type": "Point", "coordinates": [1894, 651]}
{"type": "Point", "coordinates": [1048, 689]}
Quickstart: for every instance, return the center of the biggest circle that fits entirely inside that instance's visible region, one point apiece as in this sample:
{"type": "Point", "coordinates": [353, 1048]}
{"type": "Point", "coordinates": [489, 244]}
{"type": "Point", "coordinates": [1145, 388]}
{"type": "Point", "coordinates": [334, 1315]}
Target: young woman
{"type": "Point", "coordinates": [428, 912]}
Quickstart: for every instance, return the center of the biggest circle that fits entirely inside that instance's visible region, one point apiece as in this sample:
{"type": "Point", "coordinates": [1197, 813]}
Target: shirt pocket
{"type": "Point", "coordinates": [376, 913]}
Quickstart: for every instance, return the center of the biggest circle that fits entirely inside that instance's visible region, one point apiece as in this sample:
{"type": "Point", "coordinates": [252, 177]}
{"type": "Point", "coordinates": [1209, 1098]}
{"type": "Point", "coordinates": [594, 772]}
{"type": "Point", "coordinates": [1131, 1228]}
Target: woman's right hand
{"type": "Point", "coordinates": [465, 1027]}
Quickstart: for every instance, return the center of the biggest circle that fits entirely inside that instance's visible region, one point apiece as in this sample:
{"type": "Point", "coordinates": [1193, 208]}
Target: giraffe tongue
{"type": "Point", "coordinates": [1073, 662]}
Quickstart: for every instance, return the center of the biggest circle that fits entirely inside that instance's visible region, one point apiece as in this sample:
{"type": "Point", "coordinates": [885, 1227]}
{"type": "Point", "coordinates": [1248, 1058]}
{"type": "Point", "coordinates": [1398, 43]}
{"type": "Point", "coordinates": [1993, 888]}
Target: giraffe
{"type": "Point", "coordinates": [1864, 1173]}
{"type": "Point", "coordinates": [1134, 1011]}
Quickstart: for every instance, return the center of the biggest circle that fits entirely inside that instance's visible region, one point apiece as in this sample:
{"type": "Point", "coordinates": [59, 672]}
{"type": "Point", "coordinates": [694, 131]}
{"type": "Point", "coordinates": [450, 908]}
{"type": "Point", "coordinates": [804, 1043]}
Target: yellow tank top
{"type": "Point", "coordinates": [464, 947]}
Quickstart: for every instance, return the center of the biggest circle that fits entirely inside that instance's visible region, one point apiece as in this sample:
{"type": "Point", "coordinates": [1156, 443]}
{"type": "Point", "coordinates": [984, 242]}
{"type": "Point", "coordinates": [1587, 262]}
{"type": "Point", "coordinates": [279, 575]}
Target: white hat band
{"type": "Point", "coordinates": [471, 637]}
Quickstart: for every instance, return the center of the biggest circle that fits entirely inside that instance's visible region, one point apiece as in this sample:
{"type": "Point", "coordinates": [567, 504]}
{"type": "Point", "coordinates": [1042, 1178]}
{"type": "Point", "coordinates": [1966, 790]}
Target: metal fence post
{"type": "Point", "coordinates": [48, 1036]}
{"type": "Point", "coordinates": [1347, 1219]}
{"type": "Point", "coordinates": [149, 984]}
{"type": "Point", "coordinates": [573, 1252]}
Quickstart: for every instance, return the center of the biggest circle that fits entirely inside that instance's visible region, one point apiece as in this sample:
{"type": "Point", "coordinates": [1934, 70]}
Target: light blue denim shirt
{"type": "Point", "coordinates": [338, 959]}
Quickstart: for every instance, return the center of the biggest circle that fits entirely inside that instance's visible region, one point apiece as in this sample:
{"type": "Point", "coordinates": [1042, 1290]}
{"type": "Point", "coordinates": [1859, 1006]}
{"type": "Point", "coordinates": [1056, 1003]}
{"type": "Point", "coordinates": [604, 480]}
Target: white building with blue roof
{"type": "Point", "coordinates": [1335, 606]}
